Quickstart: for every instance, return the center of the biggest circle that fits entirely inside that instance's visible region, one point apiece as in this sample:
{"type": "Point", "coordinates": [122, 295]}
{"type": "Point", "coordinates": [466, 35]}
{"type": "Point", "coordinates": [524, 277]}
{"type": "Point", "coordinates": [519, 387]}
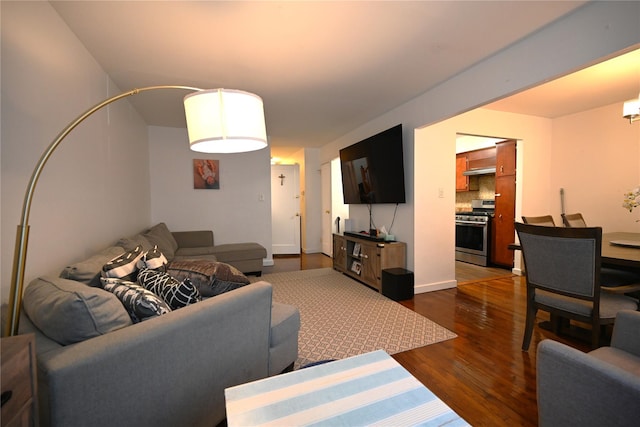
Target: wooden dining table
{"type": "Point", "coordinates": [624, 252]}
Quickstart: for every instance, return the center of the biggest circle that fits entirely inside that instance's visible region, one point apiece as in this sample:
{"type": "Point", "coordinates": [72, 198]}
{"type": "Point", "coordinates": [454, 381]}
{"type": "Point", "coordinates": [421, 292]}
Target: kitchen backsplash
{"type": "Point", "coordinates": [486, 190]}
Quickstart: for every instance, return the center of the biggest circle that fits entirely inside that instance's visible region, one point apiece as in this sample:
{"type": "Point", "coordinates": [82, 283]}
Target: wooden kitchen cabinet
{"type": "Point", "coordinates": [506, 158]}
{"type": "Point", "coordinates": [476, 159]}
{"type": "Point", "coordinates": [365, 259]}
{"type": "Point", "coordinates": [462, 182]}
{"type": "Point", "coordinates": [503, 229]}
{"type": "Point", "coordinates": [19, 392]}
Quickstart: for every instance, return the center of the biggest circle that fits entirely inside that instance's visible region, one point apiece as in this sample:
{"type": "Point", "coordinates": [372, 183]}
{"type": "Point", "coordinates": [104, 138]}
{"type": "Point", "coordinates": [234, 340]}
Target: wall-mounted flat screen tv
{"type": "Point", "coordinates": [373, 169]}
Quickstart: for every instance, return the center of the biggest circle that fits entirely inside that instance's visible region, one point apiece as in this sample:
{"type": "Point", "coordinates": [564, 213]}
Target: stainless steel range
{"type": "Point", "coordinates": [473, 232]}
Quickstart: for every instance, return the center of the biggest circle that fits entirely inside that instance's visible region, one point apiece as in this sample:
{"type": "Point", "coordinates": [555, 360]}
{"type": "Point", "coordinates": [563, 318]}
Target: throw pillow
{"type": "Point", "coordinates": [176, 294]}
{"type": "Point", "coordinates": [68, 311]}
{"type": "Point", "coordinates": [124, 265]}
{"type": "Point", "coordinates": [160, 235]}
{"type": "Point", "coordinates": [211, 278]}
{"type": "Point", "coordinates": [128, 243]}
{"type": "Point", "coordinates": [153, 259]}
{"type": "Point", "coordinates": [88, 271]}
{"type": "Point", "coordinates": [140, 303]}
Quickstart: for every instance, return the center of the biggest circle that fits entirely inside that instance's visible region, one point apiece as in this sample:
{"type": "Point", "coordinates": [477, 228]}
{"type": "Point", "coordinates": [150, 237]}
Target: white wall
{"type": "Point", "coordinates": [595, 157]}
{"type": "Point", "coordinates": [435, 151]}
{"type": "Point", "coordinates": [236, 212]}
{"type": "Point", "coordinates": [338, 208]}
{"type": "Point", "coordinates": [594, 32]}
{"type": "Point", "coordinates": [95, 187]}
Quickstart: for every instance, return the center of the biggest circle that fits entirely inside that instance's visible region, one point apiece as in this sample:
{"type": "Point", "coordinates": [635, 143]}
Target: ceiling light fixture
{"type": "Point", "coordinates": [218, 121]}
{"type": "Point", "coordinates": [631, 110]}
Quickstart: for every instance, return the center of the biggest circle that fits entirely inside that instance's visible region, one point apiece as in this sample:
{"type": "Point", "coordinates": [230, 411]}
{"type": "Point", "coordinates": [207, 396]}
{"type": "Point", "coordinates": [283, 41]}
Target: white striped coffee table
{"type": "Point", "coordinates": [369, 389]}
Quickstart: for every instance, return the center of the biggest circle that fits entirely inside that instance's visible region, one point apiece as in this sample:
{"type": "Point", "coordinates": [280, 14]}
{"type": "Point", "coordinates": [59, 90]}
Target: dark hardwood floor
{"type": "Point", "coordinates": [483, 374]}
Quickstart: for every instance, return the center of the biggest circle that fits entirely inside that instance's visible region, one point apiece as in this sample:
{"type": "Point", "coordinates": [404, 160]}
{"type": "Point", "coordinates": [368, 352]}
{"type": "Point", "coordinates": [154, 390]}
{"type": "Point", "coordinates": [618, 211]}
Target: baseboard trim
{"type": "Point", "coordinates": [431, 287]}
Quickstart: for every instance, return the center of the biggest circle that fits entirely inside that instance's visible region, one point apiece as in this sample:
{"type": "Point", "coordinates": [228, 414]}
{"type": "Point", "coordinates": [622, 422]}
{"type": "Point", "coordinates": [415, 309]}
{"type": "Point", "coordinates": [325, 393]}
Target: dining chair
{"type": "Point", "coordinates": [563, 278]}
{"type": "Point", "coordinates": [545, 220]}
{"type": "Point", "coordinates": [610, 277]}
{"type": "Point", "coordinates": [573, 220]}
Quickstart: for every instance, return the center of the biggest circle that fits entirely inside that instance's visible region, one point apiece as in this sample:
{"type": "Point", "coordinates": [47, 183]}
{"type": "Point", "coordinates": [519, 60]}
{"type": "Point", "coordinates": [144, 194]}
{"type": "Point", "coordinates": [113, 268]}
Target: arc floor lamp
{"type": "Point", "coordinates": [218, 121]}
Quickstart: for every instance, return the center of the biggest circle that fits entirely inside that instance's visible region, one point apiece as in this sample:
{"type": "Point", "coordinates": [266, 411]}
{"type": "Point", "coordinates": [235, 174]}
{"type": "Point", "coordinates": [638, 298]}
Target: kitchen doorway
{"type": "Point", "coordinates": [485, 176]}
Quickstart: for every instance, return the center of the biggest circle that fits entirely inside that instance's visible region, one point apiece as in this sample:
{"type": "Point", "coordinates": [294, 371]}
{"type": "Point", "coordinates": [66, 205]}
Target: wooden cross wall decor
{"type": "Point", "coordinates": [282, 177]}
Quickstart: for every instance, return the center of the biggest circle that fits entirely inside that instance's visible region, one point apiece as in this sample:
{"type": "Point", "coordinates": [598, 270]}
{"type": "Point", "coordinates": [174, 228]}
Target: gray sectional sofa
{"type": "Point", "coordinates": [96, 367]}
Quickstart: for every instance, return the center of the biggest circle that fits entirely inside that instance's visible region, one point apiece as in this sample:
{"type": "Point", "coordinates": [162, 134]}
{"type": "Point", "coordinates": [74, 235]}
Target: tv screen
{"type": "Point", "coordinates": [373, 169]}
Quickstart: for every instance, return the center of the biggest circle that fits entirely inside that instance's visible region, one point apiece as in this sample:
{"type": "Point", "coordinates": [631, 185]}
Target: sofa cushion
{"type": "Point", "coordinates": [239, 251]}
{"type": "Point", "coordinates": [176, 294]}
{"type": "Point", "coordinates": [196, 252]}
{"type": "Point", "coordinates": [160, 235]}
{"type": "Point", "coordinates": [141, 304]}
{"type": "Point", "coordinates": [68, 311]}
{"type": "Point", "coordinates": [88, 271]}
{"type": "Point", "coordinates": [620, 358]}
{"type": "Point", "coordinates": [124, 265]}
{"type": "Point", "coordinates": [211, 278]}
{"type": "Point", "coordinates": [285, 323]}
{"type": "Point", "coordinates": [129, 243]}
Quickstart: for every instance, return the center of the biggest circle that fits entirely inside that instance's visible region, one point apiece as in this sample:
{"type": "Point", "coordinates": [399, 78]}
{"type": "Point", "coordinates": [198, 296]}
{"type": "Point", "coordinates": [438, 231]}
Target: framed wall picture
{"type": "Point", "coordinates": [206, 174]}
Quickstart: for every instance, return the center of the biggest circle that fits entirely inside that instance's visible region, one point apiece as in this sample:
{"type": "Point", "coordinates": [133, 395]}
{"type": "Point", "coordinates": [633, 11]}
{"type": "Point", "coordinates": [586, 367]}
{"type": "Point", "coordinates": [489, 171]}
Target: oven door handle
{"type": "Point", "coordinates": [473, 223]}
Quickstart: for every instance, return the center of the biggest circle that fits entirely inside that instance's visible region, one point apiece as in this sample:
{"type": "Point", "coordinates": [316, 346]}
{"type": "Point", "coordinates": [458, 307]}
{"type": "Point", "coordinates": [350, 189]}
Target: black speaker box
{"type": "Point", "coordinates": [397, 284]}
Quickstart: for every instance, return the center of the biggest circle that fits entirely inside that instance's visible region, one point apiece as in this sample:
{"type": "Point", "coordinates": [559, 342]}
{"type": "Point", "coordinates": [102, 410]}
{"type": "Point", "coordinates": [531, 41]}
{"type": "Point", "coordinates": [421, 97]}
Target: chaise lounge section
{"type": "Point", "coordinates": [246, 257]}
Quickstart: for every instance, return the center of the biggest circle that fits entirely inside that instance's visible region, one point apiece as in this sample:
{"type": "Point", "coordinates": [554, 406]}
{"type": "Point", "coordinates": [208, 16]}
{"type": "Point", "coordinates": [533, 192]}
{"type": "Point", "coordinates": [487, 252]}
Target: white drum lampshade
{"type": "Point", "coordinates": [225, 121]}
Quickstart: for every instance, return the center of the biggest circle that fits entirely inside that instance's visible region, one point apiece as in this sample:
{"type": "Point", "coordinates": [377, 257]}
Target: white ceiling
{"type": "Point", "coordinates": [322, 68]}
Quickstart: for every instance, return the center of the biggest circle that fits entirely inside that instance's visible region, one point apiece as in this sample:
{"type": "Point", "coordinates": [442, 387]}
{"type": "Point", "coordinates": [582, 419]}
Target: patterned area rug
{"type": "Point", "coordinates": [341, 317]}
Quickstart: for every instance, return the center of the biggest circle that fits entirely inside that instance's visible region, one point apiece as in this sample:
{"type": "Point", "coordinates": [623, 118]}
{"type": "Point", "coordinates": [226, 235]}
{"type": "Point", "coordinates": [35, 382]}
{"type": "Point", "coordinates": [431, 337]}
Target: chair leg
{"type": "Point", "coordinates": [595, 335]}
{"type": "Point", "coordinates": [528, 328]}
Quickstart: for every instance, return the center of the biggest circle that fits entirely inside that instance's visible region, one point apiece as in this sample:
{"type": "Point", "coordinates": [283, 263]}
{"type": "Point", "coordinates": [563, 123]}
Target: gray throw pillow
{"type": "Point", "coordinates": [129, 243]}
{"type": "Point", "coordinates": [68, 311]}
{"type": "Point", "coordinates": [160, 235]}
{"type": "Point", "coordinates": [88, 271]}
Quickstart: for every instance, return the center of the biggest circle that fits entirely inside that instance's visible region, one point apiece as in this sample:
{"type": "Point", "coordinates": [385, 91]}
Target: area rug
{"type": "Point", "coordinates": [341, 317]}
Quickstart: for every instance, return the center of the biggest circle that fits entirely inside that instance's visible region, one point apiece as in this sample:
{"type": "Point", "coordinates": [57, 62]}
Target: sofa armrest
{"type": "Point", "coordinates": [169, 370]}
{"type": "Point", "coordinates": [193, 239]}
{"type": "Point", "coordinates": [577, 389]}
{"type": "Point", "coordinates": [626, 332]}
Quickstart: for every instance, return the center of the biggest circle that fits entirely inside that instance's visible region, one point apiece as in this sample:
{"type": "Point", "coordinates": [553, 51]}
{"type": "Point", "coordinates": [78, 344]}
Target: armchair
{"type": "Point", "coordinates": [593, 389]}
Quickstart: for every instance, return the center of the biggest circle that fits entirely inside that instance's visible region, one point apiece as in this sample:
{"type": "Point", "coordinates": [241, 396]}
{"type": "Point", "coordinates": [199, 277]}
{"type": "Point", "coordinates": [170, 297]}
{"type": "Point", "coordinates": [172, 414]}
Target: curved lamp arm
{"type": "Point", "coordinates": [22, 236]}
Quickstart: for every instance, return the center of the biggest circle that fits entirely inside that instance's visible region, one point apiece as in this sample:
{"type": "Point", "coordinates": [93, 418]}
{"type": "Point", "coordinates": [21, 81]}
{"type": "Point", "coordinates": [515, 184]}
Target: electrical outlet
{"type": "Point", "coordinates": [441, 193]}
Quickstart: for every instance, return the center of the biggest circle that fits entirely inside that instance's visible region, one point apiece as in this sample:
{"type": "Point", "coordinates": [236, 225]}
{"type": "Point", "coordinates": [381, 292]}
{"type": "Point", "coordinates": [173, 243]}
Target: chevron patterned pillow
{"type": "Point", "coordinates": [176, 294]}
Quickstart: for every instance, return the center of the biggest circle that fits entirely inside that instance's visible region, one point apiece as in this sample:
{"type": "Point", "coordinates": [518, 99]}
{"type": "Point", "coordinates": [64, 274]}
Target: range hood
{"type": "Point", "coordinates": [480, 171]}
